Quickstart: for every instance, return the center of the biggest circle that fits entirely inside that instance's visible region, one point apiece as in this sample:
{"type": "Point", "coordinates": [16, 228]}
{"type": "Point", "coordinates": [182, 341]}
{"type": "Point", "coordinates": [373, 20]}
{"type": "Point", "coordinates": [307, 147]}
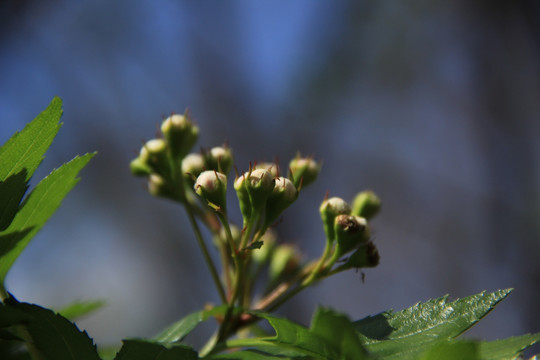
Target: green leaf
{"type": "Point", "coordinates": [53, 336]}
{"type": "Point", "coordinates": [180, 329]}
{"type": "Point", "coordinates": [21, 155]}
{"type": "Point", "coordinates": [25, 149]}
{"type": "Point", "coordinates": [146, 350]}
{"type": "Point", "coordinates": [251, 354]}
{"type": "Point", "coordinates": [453, 350]}
{"type": "Point", "coordinates": [331, 336]}
{"type": "Point", "coordinates": [12, 191]}
{"type": "Point", "coordinates": [36, 210]}
{"type": "Point", "coordinates": [507, 348]}
{"type": "Point", "coordinates": [81, 308]}
{"type": "Point", "coordinates": [410, 332]}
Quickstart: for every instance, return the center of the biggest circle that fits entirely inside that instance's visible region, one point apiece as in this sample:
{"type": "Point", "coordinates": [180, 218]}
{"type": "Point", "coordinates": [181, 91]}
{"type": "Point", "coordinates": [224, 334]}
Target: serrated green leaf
{"type": "Point", "coordinates": [12, 191]}
{"type": "Point", "coordinates": [36, 210]}
{"type": "Point", "coordinates": [13, 350]}
{"type": "Point", "coordinates": [25, 149]}
{"type": "Point", "coordinates": [507, 349]}
{"type": "Point", "coordinates": [147, 350]}
{"type": "Point", "coordinates": [53, 336]}
{"type": "Point", "coordinates": [410, 332]}
{"type": "Point", "coordinates": [453, 350]}
{"type": "Point", "coordinates": [21, 155]}
{"type": "Point", "coordinates": [80, 308]}
{"type": "Point", "coordinates": [180, 329]}
{"type": "Point", "coordinates": [331, 336]}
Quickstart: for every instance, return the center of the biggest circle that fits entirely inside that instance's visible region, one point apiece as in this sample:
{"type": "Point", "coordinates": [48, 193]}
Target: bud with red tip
{"type": "Point", "coordinates": [180, 133]}
{"type": "Point", "coordinates": [212, 187]}
{"type": "Point", "coordinates": [303, 170]}
{"type": "Point", "coordinates": [330, 208]}
{"type": "Point", "coordinates": [351, 232]}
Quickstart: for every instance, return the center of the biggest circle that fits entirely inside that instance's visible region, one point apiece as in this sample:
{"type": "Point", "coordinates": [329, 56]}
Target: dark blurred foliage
{"type": "Point", "coordinates": [434, 105]}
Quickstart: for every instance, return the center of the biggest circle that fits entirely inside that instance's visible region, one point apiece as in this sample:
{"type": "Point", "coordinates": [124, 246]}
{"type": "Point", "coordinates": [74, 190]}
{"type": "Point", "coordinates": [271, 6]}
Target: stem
{"type": "Point", "coordinates": [312, 277]}
{"type": "Point", "coordinates": [207, 258]}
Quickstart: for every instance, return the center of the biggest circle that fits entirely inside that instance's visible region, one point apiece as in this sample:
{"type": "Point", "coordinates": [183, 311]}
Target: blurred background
{"type": "Point", "coordinates": [433, 105]}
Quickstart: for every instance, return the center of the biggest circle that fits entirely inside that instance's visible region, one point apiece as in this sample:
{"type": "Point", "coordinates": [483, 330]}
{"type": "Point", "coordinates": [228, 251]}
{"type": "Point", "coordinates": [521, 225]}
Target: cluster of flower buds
{"type": "Point", "coordinates": [160, 159]}
{"type": "Point", "coordinates": [347, 230]}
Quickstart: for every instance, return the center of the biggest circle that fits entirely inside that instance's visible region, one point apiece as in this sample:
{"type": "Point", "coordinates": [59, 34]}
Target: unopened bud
{"type": "Point", "coordinates": [181, 134]}
{"type": "Point", "coordinates": [158, 186]}
{"type": "Point", "coordinates": [282, 196]}
{"type": "Point", "coordinates": [219, 159]}
{"type": "Point", "coordinates": [351, 232]}
{"type": "Point", "coordinates": [139, 168]}
{"type": "Point", "coordinates": [243, 198]}
{"type": "Point", "coordinates": [154, 155]}
{"type": "Point", "coordinates": [262, 255]}
{"type": "Point", "coordinates": [259, 184]}
{"type": "Point", "coordinates": [192, 166]}
{"type": "Point", "coordinates": [212, 186]}
{"type": "Point", "coordinates": [365, 256]}
{"type": "Point", "coordinates": [303, 170]}
{"type": "Point", "coordinates": [285, 262]}
{"type": "Point", "coordinates": [272, 167]}
{"type": "Point", "coordinates": [366, 204]}
{"type": "Point", "coordinates": [330, 208]}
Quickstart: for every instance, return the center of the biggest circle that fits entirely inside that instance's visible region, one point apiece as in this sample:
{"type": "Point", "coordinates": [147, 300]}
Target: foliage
{"type": "Point", "coordinates": [250, 255]}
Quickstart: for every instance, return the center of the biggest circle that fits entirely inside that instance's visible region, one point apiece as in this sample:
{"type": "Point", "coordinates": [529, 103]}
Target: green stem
{"type": "Point", "coordinates": [206, 255]}
{"type": "Point", "coordinates": [313, 276]}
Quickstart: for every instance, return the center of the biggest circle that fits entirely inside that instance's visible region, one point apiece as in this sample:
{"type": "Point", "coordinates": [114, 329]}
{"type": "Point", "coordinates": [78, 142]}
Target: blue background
{"type": "Point", "coordinates": [433, 105]}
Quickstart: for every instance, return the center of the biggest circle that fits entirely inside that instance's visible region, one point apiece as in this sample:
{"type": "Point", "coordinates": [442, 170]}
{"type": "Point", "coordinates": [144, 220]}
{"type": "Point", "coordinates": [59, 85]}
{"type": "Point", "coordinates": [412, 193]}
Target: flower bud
{"type": "Point", "coordinates": [139, 168]}
{"type": "Point", "coordinates": [259, 185]}
{"type": "Point", "coordinates": [192, 166]}
{"type": "Point", "coordinates": [366, 204]}
{"type": "Point", "coordinates": [282, 196]}
{"type": "Point", "coordinates": [154, 155]}
{"type": "Point", "coordinates": [262, 255]}
{"type": "Point", "coordinates": [212, 186]}
{"type": "Point", "coordinates": [243, 197]}
{"type": "Point", "coordinates": [181, 134]}
{"type": "Point", "coordinates": [365, 256]}
{"type": "Point", "coordinates": [285, 262]}
{"type": "Point", "coordinates": [351, 232]}
{"type": "Point", "coordinates": [219, 159]}
{"type": "Point", "coordinates": [330, 208]}
{"type": "Point", "coordinates": [272, 167]}
{"type": "Point", "coordinates": [304, 170]}
{"type": "Point", "coordinates": [158, 186]}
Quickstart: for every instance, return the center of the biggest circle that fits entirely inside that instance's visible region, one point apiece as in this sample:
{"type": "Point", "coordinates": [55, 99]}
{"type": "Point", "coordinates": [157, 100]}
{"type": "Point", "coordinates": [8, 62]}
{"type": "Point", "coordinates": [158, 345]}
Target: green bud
{"type": "Point", "coordinates": [243, 197]}
{"type": "Point", "coordinates": [366, 204]}
{"type": "Point", "coordinates": [282, 196]}
{"type": "Point", "coordinates": [303, 170]}
{"type": "Point", "coordinates": [181, 134]}
{"type": "Point", "coordinates": [330, 208]}
{"type": "Point", "coordinates": [259, 185]}
{"type": "Point", "coordinates": [192, 166]}
{"type": "Point", "coordinates": [262, 255]}
{"type": "Point", "coordinates": [285, 262]}
{"type": "Point", "coordinates": [158, 186]}
{"type": "Point", "coordinates": [139, 168]}
{"type": "Point", "coordinates": [220, 159]}
{"type": "Point", "coordinates": [154, 155]}
{"type": "Point", "coordinates": [351, 232]}
{"type": "Point", "coordinates": [365, 256]}
{"type": "Point", "coordinates": [272, 167]}
{"type": "Point", "coordinates": [212, 187]}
